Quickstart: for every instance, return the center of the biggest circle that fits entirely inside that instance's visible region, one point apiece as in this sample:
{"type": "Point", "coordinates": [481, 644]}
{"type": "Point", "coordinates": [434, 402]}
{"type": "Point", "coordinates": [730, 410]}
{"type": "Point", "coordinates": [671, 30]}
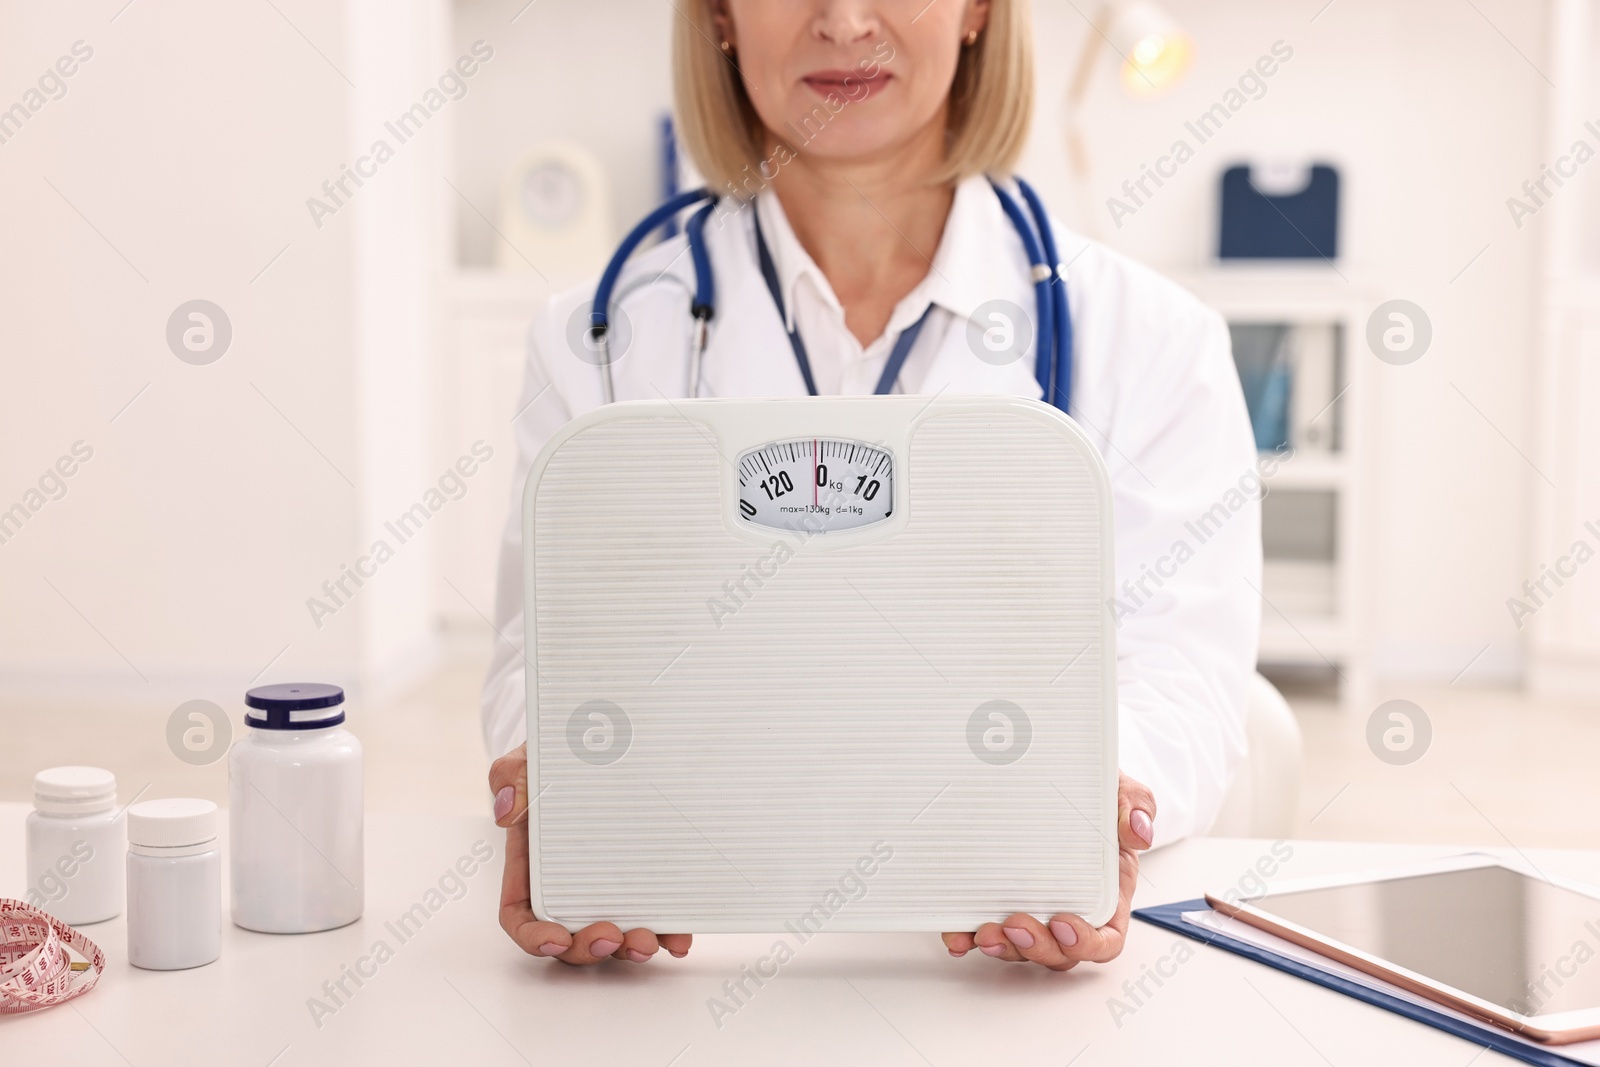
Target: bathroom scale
{"type": "Point", "coordinates": [822, 663]}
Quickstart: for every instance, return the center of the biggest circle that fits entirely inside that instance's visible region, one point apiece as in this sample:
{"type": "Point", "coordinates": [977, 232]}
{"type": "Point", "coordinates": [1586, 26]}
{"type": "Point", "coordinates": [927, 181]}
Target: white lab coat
{"type": "Point", "coordinates": [1153, 385]}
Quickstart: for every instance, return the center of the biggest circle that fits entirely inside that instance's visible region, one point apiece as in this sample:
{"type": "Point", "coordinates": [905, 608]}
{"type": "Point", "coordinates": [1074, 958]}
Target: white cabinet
{"type": "Point", "coordinates": [1313, 604]}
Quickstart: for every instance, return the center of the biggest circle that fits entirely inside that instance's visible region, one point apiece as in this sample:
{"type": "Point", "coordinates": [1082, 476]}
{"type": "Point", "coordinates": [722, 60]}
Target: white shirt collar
{"type": "Point", "coordinates": [976, 233]}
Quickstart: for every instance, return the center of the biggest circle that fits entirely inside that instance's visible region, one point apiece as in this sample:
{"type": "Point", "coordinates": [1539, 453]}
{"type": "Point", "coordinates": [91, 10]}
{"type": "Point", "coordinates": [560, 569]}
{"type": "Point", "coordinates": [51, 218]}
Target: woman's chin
{"type": "Point", "coordinates": [865, 144]}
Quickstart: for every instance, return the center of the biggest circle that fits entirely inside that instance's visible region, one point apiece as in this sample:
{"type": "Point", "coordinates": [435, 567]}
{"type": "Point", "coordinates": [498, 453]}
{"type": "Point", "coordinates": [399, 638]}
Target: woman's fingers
{"type": "Point", "coordinates": [958, 944]}
{"type": "Point", "coordinates": [1136, 814]}
{"type": "Point", "coordinates": [677, 944]}
{"type": "Point", "coordinates": [538, 938]}
{"type": "Point", "coordinates": [991, 940]}
{"type": "Point", "coordinates": [508, 784]}
{"type": "Point", "coordinates": [1065, 941]}
{"type": "Point", "coordinates": [594, 943]}
{"type": "Point", "coordinates": [1036, 944]}
{"type": "Point", "coordinates": [638, 945]}
{"type": "Point", "coordinates": [1024, 939]}
{"type": "Point", "coordinates": [516, 908]}
{"type": "Point", "coordinates": [516, 904]}
{"type": "Point", "coordinates": [589, 945]}
{"type": "Point", "coordinates": [1081, 942]}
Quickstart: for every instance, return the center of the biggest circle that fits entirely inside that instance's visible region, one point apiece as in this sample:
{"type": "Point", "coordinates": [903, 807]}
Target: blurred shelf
{"type": "Point", "coordinates": [1297, 289]}
{"type": "Point", "coordinates": [1309, 470]}
{"type": "Point", "coordinates": [1301, 587]}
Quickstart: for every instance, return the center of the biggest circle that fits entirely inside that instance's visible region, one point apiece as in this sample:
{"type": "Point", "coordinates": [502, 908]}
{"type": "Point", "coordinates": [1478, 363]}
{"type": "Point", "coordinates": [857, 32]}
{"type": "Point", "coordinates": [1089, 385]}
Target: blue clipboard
{"type": "Point", "coordinates": [1170, 917]}
{"type": "Point", "coordinates": [1298, 225]}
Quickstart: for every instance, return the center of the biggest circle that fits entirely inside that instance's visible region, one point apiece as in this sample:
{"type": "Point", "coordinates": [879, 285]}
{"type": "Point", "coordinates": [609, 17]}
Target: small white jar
{"type": "Point", "coordinates": [174, 884]}
{"type": "Point", "coordinates": [75, 845]}
{"type": "Point", "coordinates": [295, 812]}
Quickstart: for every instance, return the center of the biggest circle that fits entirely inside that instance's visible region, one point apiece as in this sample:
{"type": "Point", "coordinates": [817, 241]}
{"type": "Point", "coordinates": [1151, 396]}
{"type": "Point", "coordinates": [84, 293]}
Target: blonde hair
{"type": "Point", "coordinates": [991, 102]}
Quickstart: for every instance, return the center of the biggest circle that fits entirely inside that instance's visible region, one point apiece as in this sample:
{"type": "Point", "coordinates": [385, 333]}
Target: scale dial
{"type": "Point", "coordinates": [816, 484]}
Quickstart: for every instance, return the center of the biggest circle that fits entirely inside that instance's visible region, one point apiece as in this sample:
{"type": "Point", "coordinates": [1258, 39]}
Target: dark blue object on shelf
{"type": "Point", "coordinates": [1265, 220]}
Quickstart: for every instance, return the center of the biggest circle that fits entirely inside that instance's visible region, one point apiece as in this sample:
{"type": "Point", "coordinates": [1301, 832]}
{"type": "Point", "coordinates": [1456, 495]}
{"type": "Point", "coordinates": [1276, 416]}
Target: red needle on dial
{"type": "Point", "coordinates": [814, 462]}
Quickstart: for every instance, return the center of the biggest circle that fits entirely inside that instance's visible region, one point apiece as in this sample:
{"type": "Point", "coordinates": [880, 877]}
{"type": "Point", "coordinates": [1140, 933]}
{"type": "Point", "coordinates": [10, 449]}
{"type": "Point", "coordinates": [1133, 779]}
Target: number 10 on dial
{"type": "Point", "coordinates": [816, 484]}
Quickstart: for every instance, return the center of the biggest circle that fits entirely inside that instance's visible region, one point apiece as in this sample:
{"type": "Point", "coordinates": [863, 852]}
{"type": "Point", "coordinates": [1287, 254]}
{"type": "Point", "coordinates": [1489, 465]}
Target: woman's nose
{"type": "Point", "coordinates": [845, 21]}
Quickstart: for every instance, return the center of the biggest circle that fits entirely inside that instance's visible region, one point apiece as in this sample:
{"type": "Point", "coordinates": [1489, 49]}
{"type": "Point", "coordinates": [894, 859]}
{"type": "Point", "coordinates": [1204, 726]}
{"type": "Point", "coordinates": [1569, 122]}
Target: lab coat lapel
{"type": "Point", "coordinates": [957, 370]}
{"type": "Point", "coordinates": [749, 352]}
{"type": "Point", "coordinates": [980, 261]}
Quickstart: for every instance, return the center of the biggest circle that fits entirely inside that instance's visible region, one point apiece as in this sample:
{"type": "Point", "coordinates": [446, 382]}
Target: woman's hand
{"type": "Point", "coordinates": [1068, 940]}
{"type": "Point", "coordinates": [508, 780]}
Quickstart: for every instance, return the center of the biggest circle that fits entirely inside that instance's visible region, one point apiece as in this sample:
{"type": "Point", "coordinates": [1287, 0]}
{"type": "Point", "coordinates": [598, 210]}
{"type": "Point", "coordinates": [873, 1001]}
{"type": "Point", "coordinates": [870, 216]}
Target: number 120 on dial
{"type": "Point", "coordinates": [816, 484]}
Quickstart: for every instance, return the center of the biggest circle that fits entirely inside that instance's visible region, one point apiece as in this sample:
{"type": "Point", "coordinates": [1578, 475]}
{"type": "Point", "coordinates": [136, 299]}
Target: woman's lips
{"type": "Point", "coordinates": [850, 84]}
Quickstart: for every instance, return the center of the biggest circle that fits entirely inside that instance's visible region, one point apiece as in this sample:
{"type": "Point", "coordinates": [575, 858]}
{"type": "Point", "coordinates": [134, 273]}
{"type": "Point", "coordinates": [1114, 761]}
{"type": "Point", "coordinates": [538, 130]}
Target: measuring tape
{"type": "Point", "coordinates": [36, 970]}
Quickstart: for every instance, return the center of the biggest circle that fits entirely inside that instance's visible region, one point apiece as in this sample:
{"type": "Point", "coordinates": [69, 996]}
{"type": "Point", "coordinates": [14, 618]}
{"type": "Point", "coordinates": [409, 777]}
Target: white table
{"type": "Point", "coordinates": [459, 992]}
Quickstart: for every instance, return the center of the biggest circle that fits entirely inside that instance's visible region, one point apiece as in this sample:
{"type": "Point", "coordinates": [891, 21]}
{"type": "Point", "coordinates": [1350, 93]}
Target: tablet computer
{"type": "Point", "coordinates": [1497, 940]}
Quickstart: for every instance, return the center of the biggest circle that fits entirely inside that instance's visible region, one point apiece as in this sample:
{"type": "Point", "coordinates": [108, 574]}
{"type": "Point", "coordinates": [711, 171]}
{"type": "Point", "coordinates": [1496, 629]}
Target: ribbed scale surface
{"type": "Point", "coordinates": [828, 711]}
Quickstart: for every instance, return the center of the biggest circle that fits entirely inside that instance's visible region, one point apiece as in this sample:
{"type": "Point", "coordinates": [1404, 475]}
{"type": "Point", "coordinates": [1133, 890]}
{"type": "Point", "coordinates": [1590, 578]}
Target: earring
{"type": "Point", "coordinates": [727, 49]}
{"type": "Point", "coordinates": [972, 38]}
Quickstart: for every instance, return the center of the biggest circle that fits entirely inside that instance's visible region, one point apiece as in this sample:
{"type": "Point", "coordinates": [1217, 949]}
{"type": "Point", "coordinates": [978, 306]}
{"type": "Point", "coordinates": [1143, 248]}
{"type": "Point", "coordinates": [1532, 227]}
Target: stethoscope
{"type": "Point", "coordinates": [1053, 362]}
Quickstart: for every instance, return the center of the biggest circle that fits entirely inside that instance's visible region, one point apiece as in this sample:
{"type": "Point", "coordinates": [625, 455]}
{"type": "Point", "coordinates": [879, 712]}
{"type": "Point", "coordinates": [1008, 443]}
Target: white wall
{"type": "Point", "coordinates": [398, 53]}
{"type": "Point", "coordinates": [223, 497]}
{"type": "Point", "coordinates": [1561, 613]}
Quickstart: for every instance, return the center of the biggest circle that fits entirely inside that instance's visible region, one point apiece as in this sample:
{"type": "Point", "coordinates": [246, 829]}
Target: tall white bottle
{"type": "Point", "coordinates": [295, 812]}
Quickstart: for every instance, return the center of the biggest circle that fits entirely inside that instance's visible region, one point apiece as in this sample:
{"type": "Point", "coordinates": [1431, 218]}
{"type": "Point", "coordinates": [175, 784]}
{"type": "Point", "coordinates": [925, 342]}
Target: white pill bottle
{"type": "Point", "coordinates": [295, 815]}
{"type": "Point", "coordinates": [76, 842]}
{"type": "Point", "coordinates": [174, 884]}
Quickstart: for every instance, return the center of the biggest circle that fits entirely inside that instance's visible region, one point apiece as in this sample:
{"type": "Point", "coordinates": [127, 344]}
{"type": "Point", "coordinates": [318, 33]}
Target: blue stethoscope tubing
{"type": "Point", "coordinates": [1053, 358]}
